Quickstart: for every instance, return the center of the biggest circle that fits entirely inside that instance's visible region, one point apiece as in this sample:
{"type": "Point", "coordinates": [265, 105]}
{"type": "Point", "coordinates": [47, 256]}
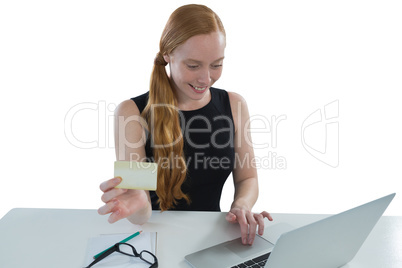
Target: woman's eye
{"type": "Point", "coordinates": [217, 66]}
{"type": "Point", "coordinates": [192, 66]}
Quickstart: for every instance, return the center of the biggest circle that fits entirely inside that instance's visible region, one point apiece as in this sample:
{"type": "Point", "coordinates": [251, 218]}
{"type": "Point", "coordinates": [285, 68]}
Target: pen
{"type": "Point", "coordinates": [122, 241]}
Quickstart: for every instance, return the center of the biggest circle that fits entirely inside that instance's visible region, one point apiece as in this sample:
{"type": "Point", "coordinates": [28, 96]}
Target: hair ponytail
{"type": "Point", "coordinates": [161, 111]}
{"type": "Point", "coordinates": [166, 137]}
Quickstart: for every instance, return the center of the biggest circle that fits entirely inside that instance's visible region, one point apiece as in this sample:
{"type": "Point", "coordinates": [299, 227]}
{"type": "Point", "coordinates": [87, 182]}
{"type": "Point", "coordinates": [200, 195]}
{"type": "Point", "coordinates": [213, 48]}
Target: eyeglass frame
{"type": "Point", "coordinates": [116, 248]}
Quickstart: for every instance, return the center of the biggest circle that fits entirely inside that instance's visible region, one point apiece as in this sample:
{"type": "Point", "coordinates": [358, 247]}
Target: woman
{"type": "Point", "coordinates": [196, 133]}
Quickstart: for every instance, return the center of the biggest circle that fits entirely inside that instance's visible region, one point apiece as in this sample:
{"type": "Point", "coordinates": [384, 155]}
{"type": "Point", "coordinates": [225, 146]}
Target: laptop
{"type": "Point", "coordinates": [330, 242]}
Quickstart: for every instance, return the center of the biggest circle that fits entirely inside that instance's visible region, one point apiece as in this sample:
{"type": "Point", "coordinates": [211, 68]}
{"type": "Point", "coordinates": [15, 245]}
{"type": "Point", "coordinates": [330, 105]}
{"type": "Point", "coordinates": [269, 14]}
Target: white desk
{"type": "Point", "coordinates": [58, 238]}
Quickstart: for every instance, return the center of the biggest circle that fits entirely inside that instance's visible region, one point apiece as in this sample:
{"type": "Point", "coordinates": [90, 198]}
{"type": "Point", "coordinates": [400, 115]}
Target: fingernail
{"type": "Point", "coordinates": [244, 241]}
{"type": "Point", "coordinates": [251, 241]}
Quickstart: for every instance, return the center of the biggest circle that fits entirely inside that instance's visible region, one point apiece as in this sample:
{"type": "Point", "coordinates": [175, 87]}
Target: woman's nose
{"type": "Point", "coordinates": [204, 77]}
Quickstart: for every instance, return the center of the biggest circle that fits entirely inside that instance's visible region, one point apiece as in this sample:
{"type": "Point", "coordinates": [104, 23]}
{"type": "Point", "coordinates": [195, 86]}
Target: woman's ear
{"type": "Point", "coordinates": [166, 57]}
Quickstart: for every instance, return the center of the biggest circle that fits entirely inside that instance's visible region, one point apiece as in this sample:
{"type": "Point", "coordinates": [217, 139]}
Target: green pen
{"type": "Point", "coordinates": [122, 241]}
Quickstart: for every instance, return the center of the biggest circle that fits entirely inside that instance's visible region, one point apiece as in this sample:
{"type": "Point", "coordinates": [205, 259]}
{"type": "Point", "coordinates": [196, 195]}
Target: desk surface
{"type": "Point", "coordinates": [44, 237]}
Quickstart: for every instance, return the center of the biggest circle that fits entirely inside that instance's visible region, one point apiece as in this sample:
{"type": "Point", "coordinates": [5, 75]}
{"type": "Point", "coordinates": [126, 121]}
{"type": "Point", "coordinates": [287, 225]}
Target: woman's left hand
{"type": "Point", "coordinates": [248, 222]}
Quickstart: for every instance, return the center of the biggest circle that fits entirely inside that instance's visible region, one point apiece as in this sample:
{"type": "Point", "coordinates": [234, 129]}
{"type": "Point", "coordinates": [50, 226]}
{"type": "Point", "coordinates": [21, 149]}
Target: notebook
{"type": "Point", "coordinates": [331, 242]}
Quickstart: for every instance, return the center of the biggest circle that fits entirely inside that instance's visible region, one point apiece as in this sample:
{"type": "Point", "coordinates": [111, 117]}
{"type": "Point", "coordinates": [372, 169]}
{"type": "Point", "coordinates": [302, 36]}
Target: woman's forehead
{"type": "Point", "coordinates": [205, 47]}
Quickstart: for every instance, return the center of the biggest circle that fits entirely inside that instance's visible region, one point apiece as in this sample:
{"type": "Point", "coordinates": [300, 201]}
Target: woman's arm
{"type": "Point", "coordinates": [135, 205]}
{"type": "Point", "coordinates": [244, 174]}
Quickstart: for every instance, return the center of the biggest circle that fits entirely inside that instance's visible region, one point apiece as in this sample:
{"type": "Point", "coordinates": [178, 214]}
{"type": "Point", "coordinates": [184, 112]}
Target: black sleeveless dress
{"type": "Point", "coordinates": [208, 135]}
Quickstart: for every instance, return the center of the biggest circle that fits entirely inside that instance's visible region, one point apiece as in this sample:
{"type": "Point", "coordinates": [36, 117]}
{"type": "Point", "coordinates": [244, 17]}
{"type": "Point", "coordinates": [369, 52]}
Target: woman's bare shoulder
{"type": "Point", "coordinates": [235, 99]}
{"type": "Point", "coordinates": [127, 108]}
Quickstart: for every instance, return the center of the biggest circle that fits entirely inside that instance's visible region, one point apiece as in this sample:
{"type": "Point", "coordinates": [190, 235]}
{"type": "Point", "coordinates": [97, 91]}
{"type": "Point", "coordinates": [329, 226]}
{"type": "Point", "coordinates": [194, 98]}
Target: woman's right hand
{"type": "Point", "coordinates": [123, 203]}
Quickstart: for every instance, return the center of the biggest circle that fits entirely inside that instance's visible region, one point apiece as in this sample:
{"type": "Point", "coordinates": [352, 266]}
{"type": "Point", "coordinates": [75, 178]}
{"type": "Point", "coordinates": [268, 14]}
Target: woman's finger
{"type": "Point", "coordinates": [115, 216]}
{"type": "Point", "coordinates": [267, 215]}
{"type": "Point", "coordinates": [107, 208]}
{"type": "Point", "coordinates": [118, 212]}
{"type": "Point", "coordinates": [230, 217]}
{"type": "Point", "coordinates": [241, 219]}
{"type": "Point", "coordinates": [111, 194]}
{"type": "Point", "coordinates": [110, 184]}
{"type": "Point", "coordinates": [252, 228]}
{"type": "Point", "coordinates": [260, 221]}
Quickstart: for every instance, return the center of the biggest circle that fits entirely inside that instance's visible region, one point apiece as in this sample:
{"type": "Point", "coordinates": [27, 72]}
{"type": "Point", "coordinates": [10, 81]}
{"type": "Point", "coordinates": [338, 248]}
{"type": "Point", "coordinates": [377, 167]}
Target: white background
{"type": "Point", "coordinates": [287, 58]}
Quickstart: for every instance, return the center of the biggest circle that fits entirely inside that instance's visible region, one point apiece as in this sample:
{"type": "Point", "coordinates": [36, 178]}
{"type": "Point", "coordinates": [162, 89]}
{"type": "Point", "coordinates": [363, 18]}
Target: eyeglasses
{"type": "Point", "coordinates": [128, 250]}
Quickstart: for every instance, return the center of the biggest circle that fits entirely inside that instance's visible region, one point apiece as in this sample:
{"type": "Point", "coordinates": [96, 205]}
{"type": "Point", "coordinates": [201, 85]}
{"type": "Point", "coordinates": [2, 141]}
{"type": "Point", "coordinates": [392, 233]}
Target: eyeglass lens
{"type": "Point", "coordinates": [127, 250]}
{"type": "Point", "coordinates": [148, 257]}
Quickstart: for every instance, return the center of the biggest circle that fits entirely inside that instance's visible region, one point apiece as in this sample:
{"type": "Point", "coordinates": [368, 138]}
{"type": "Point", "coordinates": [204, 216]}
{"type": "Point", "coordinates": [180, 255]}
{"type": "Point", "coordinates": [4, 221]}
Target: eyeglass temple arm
{"type": "Point", "coordinates": [102, 256]}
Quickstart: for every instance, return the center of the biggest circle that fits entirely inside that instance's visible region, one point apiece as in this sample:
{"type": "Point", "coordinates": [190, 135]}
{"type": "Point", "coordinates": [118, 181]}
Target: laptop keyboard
{"type": "Point", "coordinates": [254, 263]}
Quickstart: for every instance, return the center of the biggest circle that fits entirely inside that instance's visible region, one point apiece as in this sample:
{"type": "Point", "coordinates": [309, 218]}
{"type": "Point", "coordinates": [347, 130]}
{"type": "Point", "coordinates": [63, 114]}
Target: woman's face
{"type": "Point", "coordinates": [196, 65]}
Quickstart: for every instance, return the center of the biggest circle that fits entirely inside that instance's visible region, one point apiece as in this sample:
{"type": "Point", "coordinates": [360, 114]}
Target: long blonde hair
{"type": "Point", "coordinates": [161, 110]}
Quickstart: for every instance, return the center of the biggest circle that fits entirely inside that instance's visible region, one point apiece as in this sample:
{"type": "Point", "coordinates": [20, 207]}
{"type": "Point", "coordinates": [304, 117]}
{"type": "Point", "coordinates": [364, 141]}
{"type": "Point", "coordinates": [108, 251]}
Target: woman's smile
{"type": "Point", "coordinates": [199, 89]}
